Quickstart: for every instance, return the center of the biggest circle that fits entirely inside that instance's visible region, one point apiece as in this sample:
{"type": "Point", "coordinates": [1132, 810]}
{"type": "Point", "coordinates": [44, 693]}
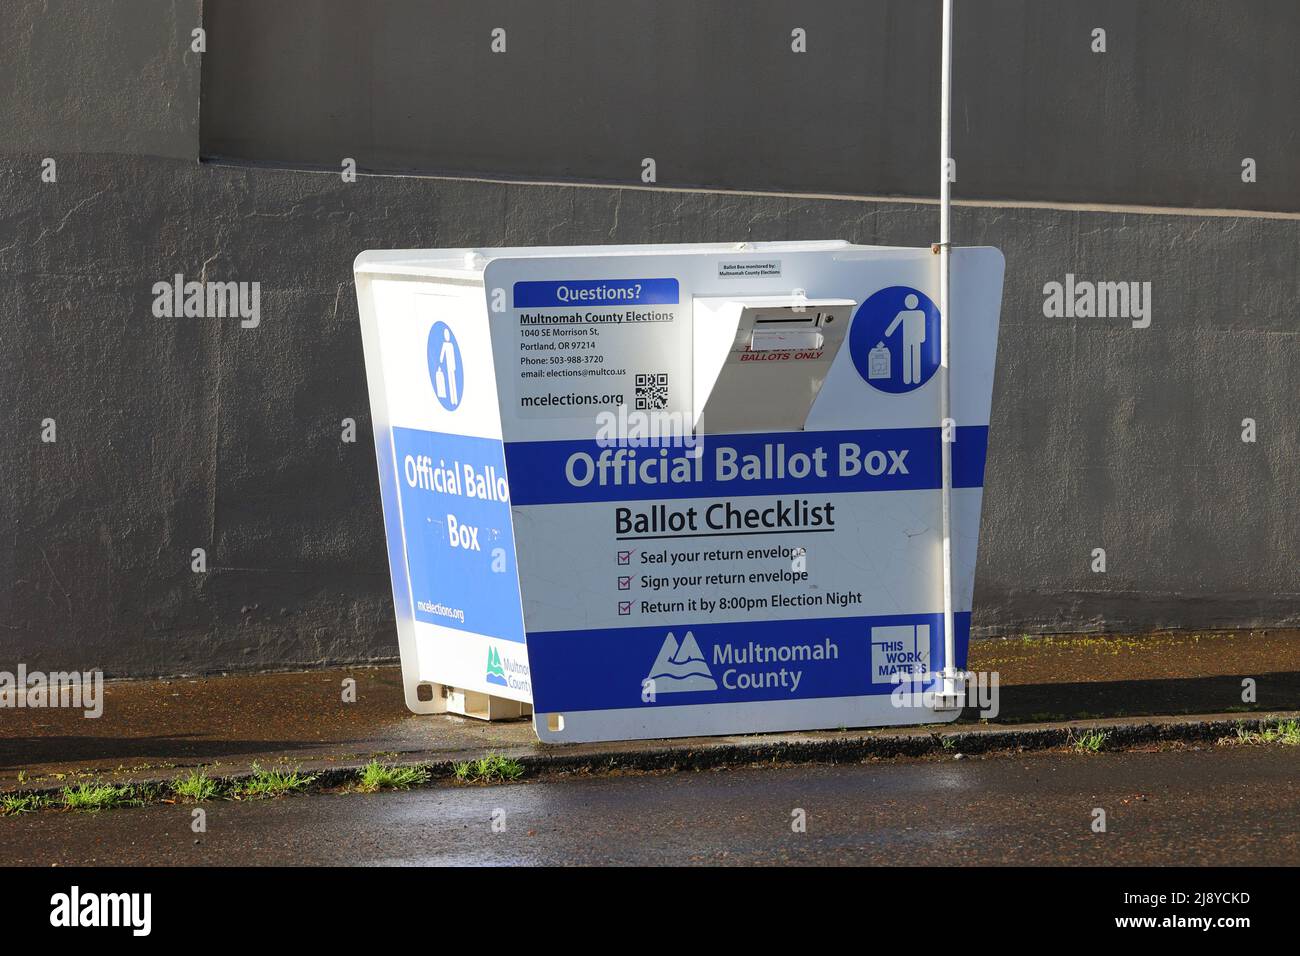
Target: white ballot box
{"type": "Point", "coordinates": [651, 491]}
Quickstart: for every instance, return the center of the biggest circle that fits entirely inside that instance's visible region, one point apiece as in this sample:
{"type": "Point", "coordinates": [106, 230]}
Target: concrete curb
{"type": "Point", "coordinates": [657, 756]}
{"type": "Point", "coordinates": [1120, 735]}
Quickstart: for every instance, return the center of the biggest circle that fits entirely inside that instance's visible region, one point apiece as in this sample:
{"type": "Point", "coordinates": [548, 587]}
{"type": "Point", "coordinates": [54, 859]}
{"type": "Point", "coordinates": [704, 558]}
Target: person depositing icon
{"type": "Point", "coordinates": [446, 377]}
{"type": "Point", "coordinates": [913, 321]}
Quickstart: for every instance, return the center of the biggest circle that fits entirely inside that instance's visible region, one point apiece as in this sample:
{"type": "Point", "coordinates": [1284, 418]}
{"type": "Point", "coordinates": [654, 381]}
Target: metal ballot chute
{"type": "Point", "coordinates": [760, 362]}
{"type": "Point", "coordinates": [650, 491]}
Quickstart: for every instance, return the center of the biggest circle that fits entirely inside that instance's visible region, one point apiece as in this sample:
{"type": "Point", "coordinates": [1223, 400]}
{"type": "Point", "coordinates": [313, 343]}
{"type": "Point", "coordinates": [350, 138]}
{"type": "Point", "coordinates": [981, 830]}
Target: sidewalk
{"type": "Point", "coordinates": [153, 730]}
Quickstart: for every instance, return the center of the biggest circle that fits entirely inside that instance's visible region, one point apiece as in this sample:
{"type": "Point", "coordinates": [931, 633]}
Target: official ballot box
{"type": "Point", "coordinates": [666, 490]}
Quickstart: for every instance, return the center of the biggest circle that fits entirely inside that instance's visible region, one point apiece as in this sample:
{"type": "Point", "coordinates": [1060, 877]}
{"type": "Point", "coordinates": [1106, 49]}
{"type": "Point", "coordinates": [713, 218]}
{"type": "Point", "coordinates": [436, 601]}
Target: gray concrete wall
{"type": "Point", "coordinates": [113, 76]}
{"type": "Point", "coordinates": [713, 92]}
{"type": "Point", "coordinates": [182, 433]}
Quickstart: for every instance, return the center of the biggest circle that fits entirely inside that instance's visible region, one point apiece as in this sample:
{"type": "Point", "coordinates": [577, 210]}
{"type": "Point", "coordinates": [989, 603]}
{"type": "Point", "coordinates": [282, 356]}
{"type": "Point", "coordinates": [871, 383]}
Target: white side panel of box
{"type": "Point", "coordinates": [458, 662]}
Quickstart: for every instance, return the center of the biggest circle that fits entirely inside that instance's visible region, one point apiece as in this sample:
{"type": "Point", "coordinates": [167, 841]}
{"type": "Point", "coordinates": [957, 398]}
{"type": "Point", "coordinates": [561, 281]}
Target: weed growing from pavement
{"type": "Point", "coordinates": [196, 786]}
{"type": "Point", "coordinates": [376, 776]}
{"type": "Point", "coordinates": [270, 783]}
{"type": "Point", "coordinates": [1285, 732]}
{"type": "Point", "coordinates": [490, 769]}
{"type": "Point", "coordinates": [12, 804]}
{"type": "Point", "coordinates": [95, 796]}
{"type": "Point", "coordinates": [1090, 743]}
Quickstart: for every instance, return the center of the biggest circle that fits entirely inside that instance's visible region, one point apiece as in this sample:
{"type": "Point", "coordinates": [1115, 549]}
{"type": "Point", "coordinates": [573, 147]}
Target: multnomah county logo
{"type": "Point", "coordinates": [445, 369]}
{"type": "Point", "coordinates": [680, 667]}
{"type": "Point", "coordinates": [496, 674]}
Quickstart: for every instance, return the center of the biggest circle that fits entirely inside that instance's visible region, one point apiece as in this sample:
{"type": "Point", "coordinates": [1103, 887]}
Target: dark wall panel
{"type": "Point", "coordinates": [712, 91]}
{"type": "Point", "coordinates": [112, 76]}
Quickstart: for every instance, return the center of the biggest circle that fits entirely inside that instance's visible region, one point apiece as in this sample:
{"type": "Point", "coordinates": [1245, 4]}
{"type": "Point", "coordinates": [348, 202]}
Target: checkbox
{"type": "Point", "coordinates": [625, 557]}
{"type": "Point", "coordinates": [624, 607]}
{"type": "Point", "coordinates": [625, 584]}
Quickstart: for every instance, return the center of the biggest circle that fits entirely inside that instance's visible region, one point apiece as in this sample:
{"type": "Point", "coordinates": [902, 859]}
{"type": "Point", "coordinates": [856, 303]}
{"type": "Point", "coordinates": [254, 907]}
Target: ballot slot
{"type": "Point", "coordinates": [776, 331]}
{"type": "Point", "coordinates": [772, 340]}
{"type": "Point", "coordinates": [794, 319]}
{"type": "Point", "coordinates": [759, 362]}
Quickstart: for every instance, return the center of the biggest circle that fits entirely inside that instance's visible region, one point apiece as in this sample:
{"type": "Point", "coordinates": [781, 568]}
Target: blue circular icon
{"type": "Point", "coordinates": [446, 371]}
{"type": "Point", "coordinates": [894, 340]}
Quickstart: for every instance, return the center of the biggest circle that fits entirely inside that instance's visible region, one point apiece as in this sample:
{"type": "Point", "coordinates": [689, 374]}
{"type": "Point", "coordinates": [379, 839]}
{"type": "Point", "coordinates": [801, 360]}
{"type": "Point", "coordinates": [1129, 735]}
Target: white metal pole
{"type": "Point", "coordinates": [948, 690]}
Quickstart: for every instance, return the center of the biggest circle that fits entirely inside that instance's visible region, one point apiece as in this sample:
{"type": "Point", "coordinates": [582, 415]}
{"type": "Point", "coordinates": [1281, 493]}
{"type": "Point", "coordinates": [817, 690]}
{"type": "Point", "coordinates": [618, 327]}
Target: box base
{"type": "Point", "coordinates": [481, 706]}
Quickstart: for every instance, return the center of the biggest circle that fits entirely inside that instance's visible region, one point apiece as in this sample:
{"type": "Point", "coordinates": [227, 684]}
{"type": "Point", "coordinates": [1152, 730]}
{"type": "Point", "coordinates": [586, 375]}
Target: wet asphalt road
{"type": "Point", "coordinates": [1222, 805]}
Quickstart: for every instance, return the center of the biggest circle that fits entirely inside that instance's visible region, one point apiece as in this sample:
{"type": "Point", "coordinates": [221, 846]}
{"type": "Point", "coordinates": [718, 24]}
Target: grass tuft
{"type": "Point", "coordinates": [271, 783]}
{"type": "Point", "coordinates": [1286, 732]}
{"type": "Point", "coordinates": [196, 786]}
{"type": "Point", "coordinates": [12, 804]}
{"type": "Point", "coordinates": [376, 776]}
{"type": "Point", "coordinates": [92, 797]}
{"type": "Point", "coordinates": [1090, 743]}
{"type": "Point", "coordinates": [490, 769]}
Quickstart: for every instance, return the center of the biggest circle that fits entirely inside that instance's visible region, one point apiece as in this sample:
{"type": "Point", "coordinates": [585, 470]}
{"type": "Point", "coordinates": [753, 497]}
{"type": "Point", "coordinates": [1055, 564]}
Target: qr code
{"type": "Point", "coordinates": [651, 391]}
